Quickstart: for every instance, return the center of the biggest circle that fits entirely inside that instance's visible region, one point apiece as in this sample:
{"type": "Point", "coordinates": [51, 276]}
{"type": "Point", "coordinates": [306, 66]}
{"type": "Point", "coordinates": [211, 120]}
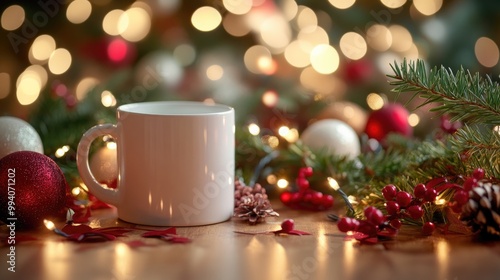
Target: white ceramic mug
{"type": "Point", "coordinates": [175, 163]}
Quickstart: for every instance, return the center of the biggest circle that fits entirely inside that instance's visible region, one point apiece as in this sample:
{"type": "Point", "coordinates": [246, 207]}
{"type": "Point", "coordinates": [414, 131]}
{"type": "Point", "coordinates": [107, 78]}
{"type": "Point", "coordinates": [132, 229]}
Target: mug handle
{"type": "Point", "coordinates": [103, 193]}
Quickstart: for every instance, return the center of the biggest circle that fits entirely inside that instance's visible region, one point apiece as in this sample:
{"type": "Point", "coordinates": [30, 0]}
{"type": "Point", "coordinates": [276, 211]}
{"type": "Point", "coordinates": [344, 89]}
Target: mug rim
{"type": "Point", "coordinates": [134, 108]}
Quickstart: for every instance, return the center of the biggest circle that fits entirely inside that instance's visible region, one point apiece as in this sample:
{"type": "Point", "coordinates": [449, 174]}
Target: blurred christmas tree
{"type": "Point", "coordinates": [67, 65]}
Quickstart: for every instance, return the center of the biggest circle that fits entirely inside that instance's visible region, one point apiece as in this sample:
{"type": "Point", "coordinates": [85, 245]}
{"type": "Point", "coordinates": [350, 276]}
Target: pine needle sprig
{"type": "Point", "coordinates": [464, 96]}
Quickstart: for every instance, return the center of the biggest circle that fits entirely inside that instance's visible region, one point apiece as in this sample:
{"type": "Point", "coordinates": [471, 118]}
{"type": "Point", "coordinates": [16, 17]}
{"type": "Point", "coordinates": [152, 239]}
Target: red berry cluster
{"type": "Point", "coordinates": [461, 196]}
{"type": "Point", "coordinates": [401, 204]}
{"type": "Point", "coordinates": [375, 225]}
{"type": "Point", "coordinates": [306, 198]}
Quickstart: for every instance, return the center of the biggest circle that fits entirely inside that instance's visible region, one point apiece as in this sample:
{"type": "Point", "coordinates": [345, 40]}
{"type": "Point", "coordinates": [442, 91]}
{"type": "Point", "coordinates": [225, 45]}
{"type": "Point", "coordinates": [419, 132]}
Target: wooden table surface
{"type": "Point", "coordinates": [217, 252]}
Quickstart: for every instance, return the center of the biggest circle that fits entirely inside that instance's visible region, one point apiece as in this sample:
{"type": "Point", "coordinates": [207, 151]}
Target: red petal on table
{"type": "Point", "coordinates": [389, 234]}
{"type": "Point", "coordinates": [159, 233]}
{"type": "Point", "coordinates": [360, 236]}
{"type": "Point", "coordinates": [298, 232]}
{"type": "Point", "coordinates": [95, 203]}
{"type": "Point", "coordinates": [91, 237]}
{"type": "Point", "coordinates": [71, 229]}
{"type": "Point", "coordinates": [176, 239]}
{"type": "Point", "coordinates": [116, 231]}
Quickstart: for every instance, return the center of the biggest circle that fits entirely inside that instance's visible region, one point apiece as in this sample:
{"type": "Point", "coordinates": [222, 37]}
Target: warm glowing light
{"type": "Point", "coordinates": [271, 179]}
{"type": "Point", "coordinates": [324, 59]}
{"type": "Point", "coordinates": [282, 183]}
{"type": "Point", "coordinates": [440, 201]}
{"type": "Point", "coordinates": [270, 98]}
{"type": "Point", "coordinates": [59, 61]}
{"type": "Point", "coordinates": [42, 47]}
{"type": "Point", "coordinates": [325, 86]}
{"type": "Point", "coordinates": [206, 18]}
{"type": "Point", "coordinates": [267, 65]}
{"type": "Point", "coordinates": [379, 37]}
{"type": "Point", "coordinates": [111, 145]}
{"type": "Point", "coordinates": [393, 4]}
{"type": "Point", "coordinates": [253, 57]}
{"type": "Point", "coordinates": [215, 72]}
{"type": "Point", "coordinates": [185, 54]}
{"type": "Point", "coordinates": [283, 131]}
{"type": "Point", "coordinates": [76, 191]}
{"type": "Point", "coordinates": [4, 85]}
{"type": "Point", "coordinates": [292, 135]}
{"type": "Point", "coordinates": [342, 4]}
{"type": "Point", "coordinates": [238, 7]}
{"type": "Point", "coordinates": [352, 199]}
{"type": "Point", "coordinates": [12, 17]}
{"type": "Point", "coordinates": [353, 45]}
{"type": "Point", "coordinates": [61, 151]}
{"type": "Point", "coordinates": [306, 17]}
{"type": "Point", "coordinates": [375, 101]}
{"type": "Point", "coordinates": [401, 38]}
{"type": "Point", "coordinates": [271, 141]}
{"type": "Point", "coordinates": [84, 86]}
{"type": "Point", "coordinates": [235, 25]}
{"type": "Point", "coordinates": [296, 55]}
{"type": "Point", "coordinates": [28, 90]}
{"type": "Point", "coordinates": [110, 22]}
{"type": "Point", "coordinates": [108, 99]}
{"type": "Point", "coordinates": [428, 7]}
{"type": "Point", "coordinates": [333, 183]}
{"type": "Point", "coordinates": [78, 11]}
{"type": "Point", "coordinates": [289, 8]}
{"type": "Point", "coordinates": [134, 24]}
{"type": "Point", "coordinates": [275, 32]}
{"type": "Point", "coordinates": [254, 129]}
{"type": "Point", "coordinates": [36, 72]}
{"type": "Point", "coordinates": [413, 119]}
{"type": "Point", "coordinates": [49, 224]}
{"type": "Point", "coordinates": [486, 52]}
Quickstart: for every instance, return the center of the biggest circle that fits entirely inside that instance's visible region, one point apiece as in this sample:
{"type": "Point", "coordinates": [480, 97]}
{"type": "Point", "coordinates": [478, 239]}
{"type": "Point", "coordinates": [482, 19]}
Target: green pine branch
{"type": "Point", "coordinates": [465, 96]}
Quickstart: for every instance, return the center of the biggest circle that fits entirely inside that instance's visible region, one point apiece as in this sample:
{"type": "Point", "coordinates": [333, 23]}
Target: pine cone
{"type": "Point", "coordinates": [251, 203]}
{"type": "Point", "coordinates": [481, 212]}
{"type": "Point", "coordinates": [254, 208]}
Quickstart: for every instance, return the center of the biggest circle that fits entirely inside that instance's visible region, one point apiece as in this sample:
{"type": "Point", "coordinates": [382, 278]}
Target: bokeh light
{"type": "Point", "coordinates": [275, 32]}
{"type": "Point", "coordinates": [342, 4]}
{"type": "Point", "coordinates": [254, 129]}
{"type": "Point", "coordinates": [401, 38]}
{"type": "Point", "coordinates": [306, 17]}
{"type": "Point", "coordinates": [379, 37]}
{"type": "Point", "coordinates": [413, 119]}
{"type": "Point", "coordinates": [289, 8]}
{"type": "Point", "coordinates": [117, 50]}
{"type": "Point", "coordinates": [28, 89]}
{"type": "Point", "coordinates": [12, 17]}
{"type": "Point", "coordinates": [108, 99]}
{"type": "Point", "coordinates": [42, 48]}
{"type": "Point", "coordinates": [353, 45]}
{"type": "Point", "coordinates": [185, 54]}
{"type": "Point", "coordinates": [374, 101]}
{"type": "Point", "coordinates": [252, 57]}
{"type": "Point", "coordinates": [84, 86]}
{"type": "Point", "coordinates": [325, 59]}
{"type": "Point", "coordinates": [59, 61]}
{"type": "Point", "coordinates": [110, 22]}
{"type": "Point", "coordinates": [134, 24]}
{"type": "Point", "coordinates": [78, 11]}
{"type": "Point", "coordinates": [238, 7]}
{"type": "Point", "coordinates": [393, 4]}
{"type": "Point", "coordinates": [297, 54]}
{"type": "Point", "coordinates": [215, 72]}
{"type": "Point", "coordinates": [428, 7]}
{"type": "Point", "coordinates": [206, 18]}
{"type": "Point", "coordinates": [235, 25]}
{"type": "Point", "coordinates": [270, 98]}
{"type": "Point", "coordinates": [486, 51]}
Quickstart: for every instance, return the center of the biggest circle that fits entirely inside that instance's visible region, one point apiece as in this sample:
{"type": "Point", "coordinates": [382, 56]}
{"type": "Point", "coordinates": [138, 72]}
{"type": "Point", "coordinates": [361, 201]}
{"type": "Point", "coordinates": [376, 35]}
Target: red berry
{"type": "Point", "coordinates": [389, 192]}
{"type": "Point", "coordinates": [396, 223]}
{"type": "Point", "coordinates": [461, 197]}
{"type": "Point", "coordinates": [327, 201]}
{"type": "Point", "coordinates": [478, 174]}
{"type": "Point", "coordinates": [347, 224]}
{"type": "Point", "coordinates": [287, 225]}
{"type": "Point", "coordinates": [307, 197]}
{"type": "Point", "coordinates": [428, 228]}
{"type": "Point", "coordinates": [286, 197]}
{"type": "Point", "coordinates": [430, 195]}
{"type": "Point", "coordinates": [403, 199]}
{"type": "Point", "coordinates": [373, 215]}
{"type": "Point", "coordinates": [367, 228]}
{"type": "Point", "coordinates": [302, 183]}
{"type": "Point", "coordinates": [392, 207]}
{"type": "Point", "coordinates": [470, 183]}
{"type": "Point", "coordinates": [306, 171]}
{"type": "Point", "coordinates": [419, 190]}
{"type": "Point", "coordinates": [296, 197]}
{"type": "Point", "coordinates": [317, 198]}
{"type": "Point", "coordinates": [415, 211]}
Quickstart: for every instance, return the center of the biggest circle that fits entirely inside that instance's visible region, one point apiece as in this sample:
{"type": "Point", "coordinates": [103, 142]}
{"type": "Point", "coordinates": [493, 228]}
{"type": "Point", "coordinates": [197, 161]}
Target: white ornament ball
{"type": "Point", "coordinates": [333, 137]}
{"type": "Point", "coordinates": [103, 165]}
{"type": "Point", "coordinates": [18, 135]}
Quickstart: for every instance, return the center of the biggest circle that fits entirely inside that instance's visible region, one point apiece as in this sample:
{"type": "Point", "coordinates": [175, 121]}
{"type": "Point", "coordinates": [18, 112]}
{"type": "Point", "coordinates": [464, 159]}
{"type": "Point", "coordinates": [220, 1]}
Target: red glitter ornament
{"type": "Point", "coordinates": [32, 188]}
{"type": "Point", "coordinates": [392, 118]}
